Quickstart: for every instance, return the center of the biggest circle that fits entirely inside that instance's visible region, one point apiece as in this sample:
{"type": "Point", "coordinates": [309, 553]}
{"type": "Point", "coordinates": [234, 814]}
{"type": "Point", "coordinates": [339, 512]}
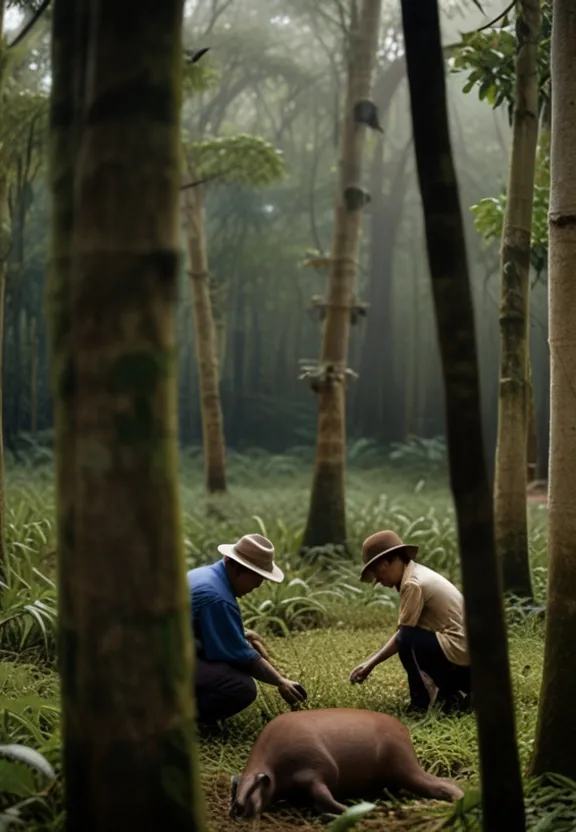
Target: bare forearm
{"type": "Point", "coordinates": [263, 671]}
{"type": "Point", "coordinates": [390, 649]}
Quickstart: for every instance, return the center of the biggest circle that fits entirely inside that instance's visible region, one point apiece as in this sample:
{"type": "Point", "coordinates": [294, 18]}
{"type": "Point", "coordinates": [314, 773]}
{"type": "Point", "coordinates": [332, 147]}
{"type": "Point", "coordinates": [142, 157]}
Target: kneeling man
{"type": "Point", "coordinates": [226, 665]}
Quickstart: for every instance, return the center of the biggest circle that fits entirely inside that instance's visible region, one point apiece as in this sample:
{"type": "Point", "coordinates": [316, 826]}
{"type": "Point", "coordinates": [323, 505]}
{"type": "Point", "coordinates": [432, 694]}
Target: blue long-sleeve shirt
{"type": "Point", "coordinates": [216, 619]}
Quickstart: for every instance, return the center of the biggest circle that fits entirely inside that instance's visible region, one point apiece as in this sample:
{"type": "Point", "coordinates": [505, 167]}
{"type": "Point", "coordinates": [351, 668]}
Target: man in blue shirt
{"type": "Point", "coordinates": [226, 665]}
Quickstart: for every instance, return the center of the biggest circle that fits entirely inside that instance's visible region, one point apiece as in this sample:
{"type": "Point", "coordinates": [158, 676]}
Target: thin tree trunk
{"type": "Point", "coordinates": [531, 433]}
{"type": "Point", "coordinates": [556, 731]}
{"type": "Point", "coordinates": [502, 795]}
{"type": "Point", "coordinates": [125, 641]}
{"type": "Point", "coordinates": [326, 522]}
{"type": "Point", "coordinates": [205, 343]}
{"type": "Point", "coordinates": [4, 249]}
{"type": "Point", "coordinates": [33, 379]}
{"type": "Point", "coordinates": [514, 385]}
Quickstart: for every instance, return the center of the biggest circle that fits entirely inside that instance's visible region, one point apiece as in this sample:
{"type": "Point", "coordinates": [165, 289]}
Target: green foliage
{"type": "Point", "coordinates": [489, 215]}
{"type": "Point", "coordinates": [318, 625]}
{"type": "Point", "coordinates": [198, 77]}
{"type": "Point", "coordinates": [244, 159]}
{"type": "Point", "coordinates": [352, 817]}
{"type": "Point", "coordinates": [489, 59]}
{"type": "Point", "coordinates": [429, 454]}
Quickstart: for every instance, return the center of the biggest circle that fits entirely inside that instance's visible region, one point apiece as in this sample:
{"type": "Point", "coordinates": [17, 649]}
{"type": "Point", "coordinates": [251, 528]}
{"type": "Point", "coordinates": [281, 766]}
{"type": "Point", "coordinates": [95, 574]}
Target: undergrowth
{"type": "Point", "coordinates": [319, 623]}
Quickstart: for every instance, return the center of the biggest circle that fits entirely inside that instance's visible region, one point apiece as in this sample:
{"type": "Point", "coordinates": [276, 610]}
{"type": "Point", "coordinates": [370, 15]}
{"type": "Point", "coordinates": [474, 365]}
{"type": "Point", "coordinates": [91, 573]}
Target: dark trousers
{"type": "Point", "coordinates": [221, 690]}
{"type": "Point", "coordinates": [421, 648]}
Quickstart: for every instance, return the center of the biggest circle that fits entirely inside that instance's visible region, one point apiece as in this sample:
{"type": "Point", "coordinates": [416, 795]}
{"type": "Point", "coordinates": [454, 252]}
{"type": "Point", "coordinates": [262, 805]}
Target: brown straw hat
{"type": "Point", "coordinates": [378, 545]}
{"type": "Point", "coordinates": [255, 552]}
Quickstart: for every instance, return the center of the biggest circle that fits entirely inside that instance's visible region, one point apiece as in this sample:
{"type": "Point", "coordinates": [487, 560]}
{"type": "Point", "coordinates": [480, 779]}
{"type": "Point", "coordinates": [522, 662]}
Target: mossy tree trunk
{"type": "Point", "coordinates": [556, 731]}
{"type": "Point", "coordinates": [491, 682]}
{"type": "Point", "coordinates": [514, 383]}
{"type": "Point", "coordinates": [205, 341]}
{"type": "Point", "coordinates": [125, 641]}
{"type": "Point", "coordinates": [326, 522]}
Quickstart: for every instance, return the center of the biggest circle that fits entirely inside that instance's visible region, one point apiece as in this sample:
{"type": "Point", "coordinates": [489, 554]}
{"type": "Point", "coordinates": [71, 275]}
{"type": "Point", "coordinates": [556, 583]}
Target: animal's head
{"type": "Point", "coordinates": [249, 795]}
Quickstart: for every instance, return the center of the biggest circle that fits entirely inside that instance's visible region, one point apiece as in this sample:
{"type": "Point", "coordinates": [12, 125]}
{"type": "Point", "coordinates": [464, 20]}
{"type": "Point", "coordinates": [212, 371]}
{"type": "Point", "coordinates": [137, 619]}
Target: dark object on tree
{"type": "Point", "coordinates": [355, 198]}
{"type": "Point", "coordinates": [502, 795]}
{"type": "Point", "coordinates": [366, 112]}
{"type": "Point", "coordinates": [192, 56]}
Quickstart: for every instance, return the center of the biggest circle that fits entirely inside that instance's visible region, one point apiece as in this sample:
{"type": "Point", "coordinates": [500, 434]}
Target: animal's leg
{"type": "Point", "coordinates": [426, 785]}
{"type": "Point", "coordinates": [324, 800]}
{"type": "Point", "coordinates": [402, 770]}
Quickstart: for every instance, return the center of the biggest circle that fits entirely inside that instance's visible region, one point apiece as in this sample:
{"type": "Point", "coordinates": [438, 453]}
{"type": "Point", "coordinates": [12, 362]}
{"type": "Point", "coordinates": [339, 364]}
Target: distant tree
{"type": "Point", "coordinates": [241, 159]}
{"type": "Point", "coordinates": [19, 111]}
{"type": "Point", "coordinates": [326, 523]}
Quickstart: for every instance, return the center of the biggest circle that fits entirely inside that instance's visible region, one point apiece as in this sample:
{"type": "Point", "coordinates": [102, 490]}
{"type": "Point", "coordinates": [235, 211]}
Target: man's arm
{"type": "Point", "coordinates": [224, 641]}
{"type": "Point", "coordinates": [390, 649]}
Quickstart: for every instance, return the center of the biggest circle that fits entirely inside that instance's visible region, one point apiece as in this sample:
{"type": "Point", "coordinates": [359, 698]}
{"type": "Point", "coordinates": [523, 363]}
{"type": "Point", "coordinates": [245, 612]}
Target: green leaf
{"type": "Point", "coordinates": [16, 780]}
{"type": "Point", "coordinates": [30, 756]}
{"type": "Point", "coordinates": [351, 817]}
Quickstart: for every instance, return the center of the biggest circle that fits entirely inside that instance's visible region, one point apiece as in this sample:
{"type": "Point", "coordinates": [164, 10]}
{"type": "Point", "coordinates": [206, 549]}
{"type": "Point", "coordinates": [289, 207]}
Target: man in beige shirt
{"type": "Point", "coordinates": [431, 636]}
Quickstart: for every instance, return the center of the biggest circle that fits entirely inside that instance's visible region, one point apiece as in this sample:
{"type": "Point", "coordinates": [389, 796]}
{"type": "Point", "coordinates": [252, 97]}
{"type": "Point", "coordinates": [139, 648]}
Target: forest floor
{"type": "Point", "coordinates": [318, 625]}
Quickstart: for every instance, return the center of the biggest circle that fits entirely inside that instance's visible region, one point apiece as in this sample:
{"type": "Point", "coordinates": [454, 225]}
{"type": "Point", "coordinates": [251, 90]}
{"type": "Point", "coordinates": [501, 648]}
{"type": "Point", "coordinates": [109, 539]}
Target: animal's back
{"type": "Point", "coordinates": [352, 747]}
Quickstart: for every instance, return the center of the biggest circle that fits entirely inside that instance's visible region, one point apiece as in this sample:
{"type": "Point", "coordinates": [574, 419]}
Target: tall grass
{"type": "Point", "coordinates": [319, 623]}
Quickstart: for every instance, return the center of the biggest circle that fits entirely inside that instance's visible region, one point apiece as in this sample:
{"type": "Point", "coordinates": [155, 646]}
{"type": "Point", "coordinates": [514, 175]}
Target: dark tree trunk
{"type": "Point", "coordinates": [502, 795]}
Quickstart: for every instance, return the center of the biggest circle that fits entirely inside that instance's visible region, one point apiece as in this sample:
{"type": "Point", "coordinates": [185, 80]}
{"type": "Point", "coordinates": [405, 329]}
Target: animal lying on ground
{"type": "Point", "coordinates": [328, 754]}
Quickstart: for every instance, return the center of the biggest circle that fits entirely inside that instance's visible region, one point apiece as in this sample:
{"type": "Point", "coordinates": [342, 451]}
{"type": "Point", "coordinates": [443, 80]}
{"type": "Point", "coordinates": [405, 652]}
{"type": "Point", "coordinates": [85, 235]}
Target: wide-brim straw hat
{"type": "Point", "coordinates": [377, 546]}
{"type": "Point", "coordinates": [255, 552]}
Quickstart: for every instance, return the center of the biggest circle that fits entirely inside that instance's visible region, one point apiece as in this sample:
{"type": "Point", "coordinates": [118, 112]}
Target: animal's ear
{"type": "Point", "coordinates": [262, 779]}
{"type": "Point", "coordinates": [259, 779]}
{"type": "Point", "coordinates": [234, 781]}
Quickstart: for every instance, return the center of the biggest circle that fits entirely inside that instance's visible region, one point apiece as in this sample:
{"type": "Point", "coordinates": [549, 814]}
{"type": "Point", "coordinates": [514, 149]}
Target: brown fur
{"type": "Point", "coordinates": [332, 754]}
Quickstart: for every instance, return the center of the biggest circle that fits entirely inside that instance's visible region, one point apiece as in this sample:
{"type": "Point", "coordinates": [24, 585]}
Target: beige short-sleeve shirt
{"type": "Point", "coordinates": [430, 601]}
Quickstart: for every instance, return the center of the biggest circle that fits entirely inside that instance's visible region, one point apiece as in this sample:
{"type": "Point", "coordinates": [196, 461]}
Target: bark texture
{"type": "Point", "coordinates": [514, 383]}
{"type": "Point", "coordinates": [326, 522]}
{"type": "Point", "coordinates": [556, 731]}
{"type": "Point", "coordinates": [491, 683]}
{"type": "Point", "coordinates": [206, 343]}
{"type": "Point", "coordinates": [125, 641]}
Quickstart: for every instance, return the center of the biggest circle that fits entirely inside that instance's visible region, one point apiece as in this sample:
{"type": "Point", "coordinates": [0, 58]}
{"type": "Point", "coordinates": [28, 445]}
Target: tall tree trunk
{"type": "Point", "coordinates": [125, 641]}
{"type": "Point", "coordinates": [327, 513]}
{"type": "Point", "coordinates": [4, 249]}
{"type": "Point", "coordinates": [205, 343]}
{"type": "Point", "coordinates": [531, 433]}
{"type": "Point", "coordinates": [33, 379]}
{"type": "Point", "coordinates": [492, 689]}
{"type": "Point", "coordinates": [514, 384]}
{"type": "Point", "coordinates": [556, 731]}
{"type": "Point", "coordinates": [68, 50]}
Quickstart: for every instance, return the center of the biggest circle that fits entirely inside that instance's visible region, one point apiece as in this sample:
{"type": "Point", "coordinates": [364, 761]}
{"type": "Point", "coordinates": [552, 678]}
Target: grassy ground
{"type": "Point", "coordinates": [319, 623]}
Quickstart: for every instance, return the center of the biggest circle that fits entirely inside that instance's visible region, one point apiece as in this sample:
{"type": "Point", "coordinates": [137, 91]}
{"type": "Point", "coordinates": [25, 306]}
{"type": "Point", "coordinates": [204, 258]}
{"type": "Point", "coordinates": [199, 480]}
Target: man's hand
{"type": "Point", "coordinates": [292, 692]}
{"type": "Point", "coordinates": [360, 673]}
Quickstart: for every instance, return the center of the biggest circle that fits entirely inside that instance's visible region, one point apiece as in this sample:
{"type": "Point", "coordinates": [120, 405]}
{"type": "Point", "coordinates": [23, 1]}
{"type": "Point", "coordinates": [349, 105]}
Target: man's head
{"type": "Point", "coordinates": [249, 562]}
{"type": "Point", "coordinates": [385, 558]}
{"type": "Point", "coordinates": [242, 579]}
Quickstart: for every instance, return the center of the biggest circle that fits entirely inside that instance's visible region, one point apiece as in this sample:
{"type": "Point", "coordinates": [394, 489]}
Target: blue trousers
{"type": "Point", "coordinates": [421, 648]}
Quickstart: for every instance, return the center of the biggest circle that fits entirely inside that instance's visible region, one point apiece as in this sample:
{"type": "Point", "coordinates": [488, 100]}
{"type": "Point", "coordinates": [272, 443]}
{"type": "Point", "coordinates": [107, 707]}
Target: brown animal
{"type": "Point", "coordinates": [328, 754]}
